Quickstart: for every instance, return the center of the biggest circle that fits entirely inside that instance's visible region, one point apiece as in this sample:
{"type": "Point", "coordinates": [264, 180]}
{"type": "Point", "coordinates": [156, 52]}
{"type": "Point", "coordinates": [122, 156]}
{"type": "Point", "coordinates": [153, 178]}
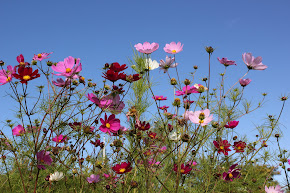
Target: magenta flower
{"type": "Point", "coordinates": [110, 124]}
{"type": "Point", "coordinates": [186, 90]}
{"type": "Point", "coordinates": [21, 61]}
{"type": "Point", "coordinates": [289, 161]}
{"type": "Point", "coordinates": [191, 163]}
{"type": "Point", "coordinates": [173, 48]}
{"type": "Point", "coordinates": [43, 157]}
{"type": "Point", "coordinates": [59, 139]}
{"type": "Point", "coordinates": [202, 117]}
{"type": "Point", "coordinates": [252, 62]}
{"type": "Point", "coordinates": [273, 189]}
{"type": "Point", "coordinates": [168, 63]}
{"type": "Point", "coordinates": [244, 82]}
{"type": "Point", "coordinates": [159, 98]}
{"type": "Point", "coordinates": [232, 173]}
{"type": "Point", "coordinates": [232, 124]}
{"type": "Point", "coordinates": [6, 75]}
{"type": "Point", "coordinates": [146, 47]}
{"type": "Point", "coordinates": [61, 83]}
{"type": "Point", "coordinates": [93, 178]}
{"type": "Point", "coordinates": [18, 130]}
{"type": "Point", "coordinates": [69, 67]}
{"type": "Point", "coordinates": [41, 56]}
{"type": "Point", "coordinates": [226, 62]}
{"type": "Point", "coordinates": [162, 149]}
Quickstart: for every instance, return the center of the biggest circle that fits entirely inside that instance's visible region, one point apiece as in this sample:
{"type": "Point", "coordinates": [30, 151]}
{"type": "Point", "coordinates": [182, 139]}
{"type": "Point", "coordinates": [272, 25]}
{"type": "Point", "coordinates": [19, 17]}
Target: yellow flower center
{"type": "Point", "coordinates": [142, 127]}
{"type": "Point", "coordinates": [221, 147]}
{"type": "Point", "coordinates": [182, 171]}
{"type": "Point", "coordinates": [231, 175]}
{"type": "Point", "coordinates": [8, 79]}
{"type": "Point", "coordinates": [68, 70]}
{"type": "Point", "coordinates": [108, 125]}
{"type": "Point", "coordinates": [39, 56]}
{"type": "Point", "coordinates": [26, 77]}
{"type": "Point", "coordinates": [21, 63]}
{"type": "Point", "coordinates": [82, 78]}
{"type": "Point", "coordinates": [174, 51]}
{"type": "Point", "coordinates": [59, 140]}
{"type": "Point", "coordinates": [122, 170]}
{"type": "Point", "coordinates": [159, 98]}
{"type": "Point", "coordinates": [239, 147]}
{"type": "Point", "coordinates": [201, 121]}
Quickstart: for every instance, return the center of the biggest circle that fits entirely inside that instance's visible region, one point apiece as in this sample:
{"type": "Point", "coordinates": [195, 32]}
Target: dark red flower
{"type": "Point", "coordinates": [111, 75]}
{"type": "Point", "coordinates": [239, 146]}
{"type": "Point", "coordinates": [164, 107]}
{"type": "Point", "coordinates": [76, 126]}
{"type": "Point", "coordinates": [232, 173]}
{"type": "Point", "coordinates": [122, 168]}
{"type": "Point", "coordinates": [183, 169]}
{"type": "Point", "coordinates": [152, 135]}
{"type": "Point", "coordinates": [143, 126]}
{"type": "Point", "coordinates": [232, 124]}
{"type": "Point", "coordinates": [25, 74]}
{"type": "Point", "coordinates": [20, 60]}
{"type": "Point", "coordinates": [116, 67]}
{"type": "Point", "coordinates": [130, 78]}
{"type": "Point", "coordinates": [222, 146]}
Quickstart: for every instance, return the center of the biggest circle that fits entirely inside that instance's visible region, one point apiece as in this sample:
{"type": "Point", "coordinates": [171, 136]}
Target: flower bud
{"type": "Point", "coordinates": [134, 184]}
{"type": "Point", "coordinates": [204, 79]}
{"type": "Point", "coordinates": [185, 138]}
{"type": "Point", "coordinates": [195, 67]}
{"type": "Point", "coordinates": [215, 124]}
{"type": "Point", "coordinates": [173, 81]}
{"type": "Point", "coordinates": [209, 49]}
{"type": "Point", "coordinates": [235, 137]}
{"type": "Point", "coordinates": [284, 98]}
{"type": "Point", "coordinates": [75, 82]}
{"type": "Point", "coordinates": [186, 82]}
{"type": "Point", "coordinates": [49, 63]}
{"type": "Point", "coordinates": [277, 135]}
{"type": "Point", "coordinates": [176, 102]}
{"type": "Point", "coordinates": [33, 62]}
{"type": "Point", "coordinates": [2, 63]}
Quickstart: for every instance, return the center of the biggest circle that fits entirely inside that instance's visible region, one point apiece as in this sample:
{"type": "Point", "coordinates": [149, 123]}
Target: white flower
{"type": "Point", "coordinates": [56, 176]}
{"type": "Point", "coordinates": [174, 137]}
{"type": "Point", "coordinates": [152, 64]}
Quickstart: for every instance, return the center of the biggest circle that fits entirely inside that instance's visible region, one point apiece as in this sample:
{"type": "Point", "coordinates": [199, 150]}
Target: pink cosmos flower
{"type": "Point", "coordinates": [273, 189]}
{"type": "Point", "coordinates": [186, 90]}
{"type": "Point", "coordinates": [168, 63]}
{"type": "Point", "coordinates": [110, 124]}
{"type": "Point", "coordinates": [226, 62]}
{"type": "Point", "coordinates": [253, 63]}
{"type": "Point", "coordinates": [173, 48]}
{"type": "Point", "coordinates": [162, 149]}
{"type": "Point", "coordinates": [61, 83]}
{"type": "Point", "coordinates": [202, 117]}
{"type": "Point", "coordinates": [244, 82]}
{"type": "Point", "coordinates": [43, 157]}
{"type": "Point", "coordinates": [93, 178]}
{"type": "Point", "coordinates": [146, 47]}
{"type": "Point", "coordinates": [200, 88]}
{"type": "Point", "coordinates": [186, 115]}
{"type": "Point", "coordinates": [59, 139]}
{"type": "Point", "coordinates": [6, 75]}
{"type": "Point", "coordinates": [69, 67]}
{"type": "Point", "coordinates": [191, 163]}
{"type": "Point", "coordinates": [18, 130]}
{"type": "Point", "coordinates": [232, 173]}
{"type": "Point", "coordinates": [232, 124]}
{"type": "Point", "coordinates": [20, 60]}
{"type": "Point", "coordinates": [41, 56]}
{"type": "Point", "coordinates": [159, 98]}
{"type": "Point", "coordinates": [289, 161]}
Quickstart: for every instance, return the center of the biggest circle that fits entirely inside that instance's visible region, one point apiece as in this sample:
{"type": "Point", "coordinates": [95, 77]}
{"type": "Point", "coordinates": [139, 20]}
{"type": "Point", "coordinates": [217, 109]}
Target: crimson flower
{"type": "Point", "coordinates": [159, 98]}
{"type": "Point", "coordinates": [116, 67]}
{"type": "Point", "coordinates": [20, 60]}
{"type": "Point", "coordinates": [43, 157]}
{"type": "Point", "coordinates": [222, 146]}
{"type": "Point", "coordinates": [25, 74]}
{"type": "Point", "coordinates": [59, 139]}
{"type": "Point", "coordinates": [226, 62]}
{"type": "Point", "coordinates": [130, 78]}
{"type": "Point", "coordinates": [143, 126]}
{"type": "Point", "coordinates": [184, 169]}
{"type": "Point", "coordinates": [110, 124]}
{"type": "Point", "coordinates": [113, 76]}
{"type": "Point", "coordinates": [232, 124]}
{"type": "Point", "coordinates": [152, 135]}
{"type": "Point", "coordinates": [122, 168]}
{"type": "Point", "coordinates": [239, 146]}
{"type": "Point", "coordinates": [232, 173]}
{"type": "Point", "coordinates": [164, 107]}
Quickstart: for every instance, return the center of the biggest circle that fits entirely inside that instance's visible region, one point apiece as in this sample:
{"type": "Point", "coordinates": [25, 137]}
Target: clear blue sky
{"type": "Point", "coordinates": [102, 31]}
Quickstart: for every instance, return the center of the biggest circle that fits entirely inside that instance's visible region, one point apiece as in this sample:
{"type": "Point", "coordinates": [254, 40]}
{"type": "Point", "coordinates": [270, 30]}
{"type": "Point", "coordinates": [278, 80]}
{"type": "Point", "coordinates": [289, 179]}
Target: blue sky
{"type": "Point", "coordinates": [103, 31]}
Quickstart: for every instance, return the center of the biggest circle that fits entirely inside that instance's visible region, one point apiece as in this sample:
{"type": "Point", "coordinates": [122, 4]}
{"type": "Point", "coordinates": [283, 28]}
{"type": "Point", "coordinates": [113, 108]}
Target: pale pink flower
{"type": "Point", "coordinates": [226, 62]}
{"type": "Point", "coordinates": [43, 157]}
{"type": "Point", "coordinates": [187, 90]}
{"type": "Point", "coordinates": [61, 83]}
{"type": "Point", "coordinates": [186, 115]}
{"type": "Point", "coordinates": [69, 67]}
{"type": "Point", "coordinates": [252, 62]}
{"type": "Point", "coordinates": [146, 47]}
{"type": "Point", "coordinates": [273, 189]}
{"type": "Point", "coordinates": [244, 82]}
{"type": "Point", "coordinates": [93, 178]}
{"type": "Point", "coordinates": [173, 48]}
{"type": "Point", "coordinates": [168, 63]}
{"type": "Point", "coordinates": [41, 56]}
{"type": "Point", "coordinates": [18, 130]}
{"type": "Point", "coordinates": [202, 117]}
{"type": "Point", "coordinates": [6, 75]}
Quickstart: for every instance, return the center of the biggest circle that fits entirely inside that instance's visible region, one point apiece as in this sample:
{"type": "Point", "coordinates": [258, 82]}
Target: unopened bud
{"type": "Point", "coordinates": [187, 82]}
{"type": "Point", "coordinates": [49, 63]}
{"type": "Point", "coordinates": [173, 81]}
{"type": "Point", "coordinates": [195, 67]}
{"type": "Point", "coordinates": [209, 49]}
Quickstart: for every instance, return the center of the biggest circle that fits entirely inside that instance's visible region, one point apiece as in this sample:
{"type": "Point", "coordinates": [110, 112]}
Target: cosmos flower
{"type": "Point", "coordinates": [59, 139]}
{"type": "Point", "coordinates": [93, 178]}
{"type": "Point", "coordinates": [273, 189]}
{"type": "Point", "coordinates": [110, 124]}
{"type": "Point", "coordinates": [174, 137]}
{"type": "Point", "coordinates": [43, 158]}
{"type": "Point", "coordinates": [56, 176]}
{"type": "Point", "coordinates": [68, 68]}
{"type": "Point", "coordinates": [122, 168]}
{"type": "Point", "coordinates": [232, 173]}
{"type": "Point", "coordinates": [25, 74]}
{"type": "Point", "coordinates": [18, 130]}
{"type": "Point", "coordinates": [164, 107]}
{"type": "Point", "coordinates": [21, 61]}
{"type": "Point", "coordinates": [151, 64]}
{"type": "Point", "coordinates": [61, 83]}
{"type": "Point", "coordinates": [200, 88]}
{"type": "Point", "coordinates": [187, 90]}
{"type": "Point", "coordinates": [173, 48]}
{"type": "Point", "coordinates": [116, 67]}
{"type": "Point", "coordinates": [184, 169]}
{"type": "Point", "coordinates": [244, 82]}
{"type": "Point", "coordinates": [152, 135]}
{"type": "Point", "coordinates": [168, 63]}
{"type": "Point", "coordinates": [239, 146]}
{"type": "Point", "coordinates": [253, 63]}
{"type": "Point", "coordinates": [222, 146]}
{"type": "Point", "coordinates": [143, 126]}
{"type": "Point", "coordinates": [41, 56]}
{"type": "Point", "coordinates": [232, 124]}
{"type": "Point", "coordinates": [202, 117]}
{"type": "Point", "coordinates": [6, 75]}
{"type": "Point", "coordinates": [226, 62]}
{"type": "Point", "coordinates": [159, 98]}
{"type": "Point", "coordinates": [146, 47]}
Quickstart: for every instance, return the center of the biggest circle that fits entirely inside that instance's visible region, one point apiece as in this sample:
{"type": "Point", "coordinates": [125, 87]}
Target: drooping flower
{"type": "Point", "coordinates": [174, 137]}
{"type": "Point", "coordinates": [151, 65]}
{"type": "Point", "coordinates": [146, 47]}
{"type": "Point", "coordinates": [122, 168]}
{"type": "Point", "coordinates": [232, 124]}
{"type": "Point", "coordinates": [184, 169]}
{"type": "Point", "coordinates": [43, 158]}
{"type": "Point", "coordinates": [222, 146]}
{"type": "Point", "coordinates": [232, 173]}
{"type": "Point", "coordinates": [93, 178]}
{"type": "Point", "coordinates": [239, 146]}
{"type": "Point", "coordinates": [59, 139]}
{"type": "Point", "coordinates": [143, 126]}
{"type": "Point", "coordinates": [186, 90]}
{"type": "Point", "coordinates": [168, 63]}
{"type": "Point", "coordinates": [18, 130]}
{"type": "Point", "coordinates": [41, 56]}
{"type": "Point", "coordinates": [273, 189]}
{"type": "Point", "coordinates": [20, 60]}
{"type": "Point", "coordinates": [6, 75]}
{"type": "Point", "coordinates": [56, 176]}
{"type": "Point", "coordinates": [244, 82]}
{"type": "Point", "coordinates": [253, 63]}
{"type": "Point", "coordinates": [110, 124]}
{"type": "Point", "coordinates": [61, 83]}
{"type": "Point", "coordinates": [25, 74]}
{"type": "Point", "coordinates": [159, 98]}
{"type": "Point", "coordinates": [226, 62]}
{"type": "Point", "coordinates": [202, 117]}
{"type": "Point", "coordinates": [69, 67]}
{"type": "Point", "coordinates": [173, 48]}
